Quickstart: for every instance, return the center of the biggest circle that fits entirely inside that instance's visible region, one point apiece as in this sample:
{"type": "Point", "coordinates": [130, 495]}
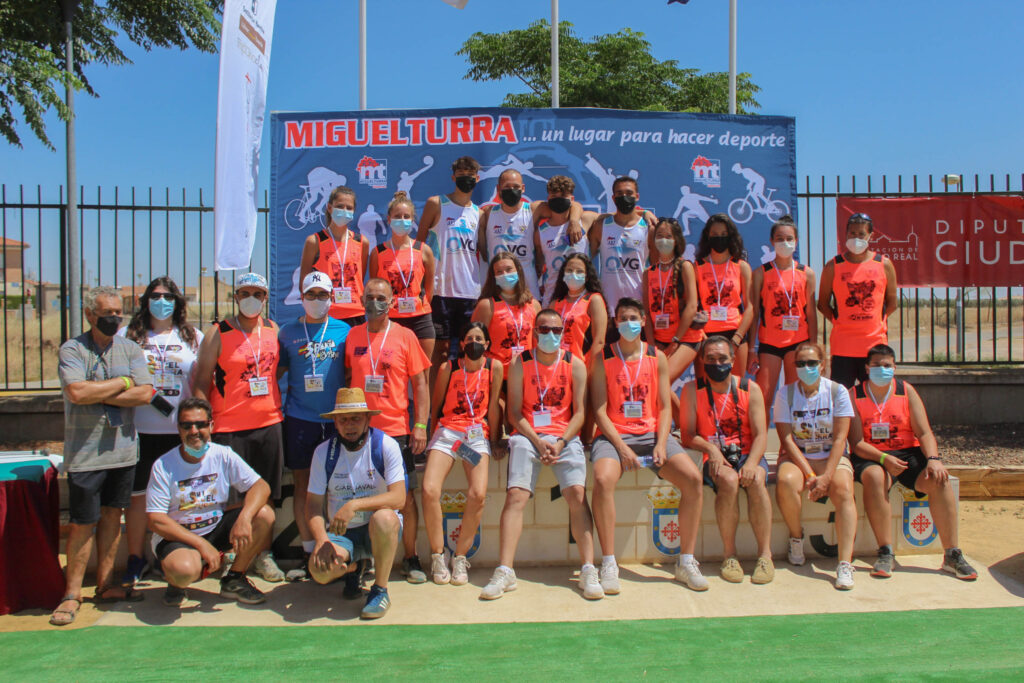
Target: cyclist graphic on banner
{"type": "Point", "coordinates": [742, 209]}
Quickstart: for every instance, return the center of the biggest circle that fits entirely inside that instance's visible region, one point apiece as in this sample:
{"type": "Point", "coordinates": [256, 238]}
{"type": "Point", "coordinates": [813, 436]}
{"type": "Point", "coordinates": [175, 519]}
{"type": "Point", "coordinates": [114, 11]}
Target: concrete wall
{"type": "Point", "coordinates": [32, 417]}
{"type": "Point", "coordinates": [960, 395]}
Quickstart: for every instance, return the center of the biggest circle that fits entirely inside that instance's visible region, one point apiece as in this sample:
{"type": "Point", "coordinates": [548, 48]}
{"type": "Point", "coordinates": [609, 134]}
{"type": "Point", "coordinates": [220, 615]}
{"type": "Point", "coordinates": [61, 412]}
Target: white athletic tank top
{"type": "Point", "coordinates": [453, 240]}
{"type": "Point", "coordinates": [623, 260]}
{"type": "Point", "coordinates": [513, 233]}
{"type": "Point", "coordinates": [555, 246]}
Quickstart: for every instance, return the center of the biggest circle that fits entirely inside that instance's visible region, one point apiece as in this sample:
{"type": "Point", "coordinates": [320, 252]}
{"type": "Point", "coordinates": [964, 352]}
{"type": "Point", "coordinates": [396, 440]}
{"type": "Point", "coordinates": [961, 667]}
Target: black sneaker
{"type": "Point", "coordinates": [299, 573]}
{"type": "Point", "coordinates": [353, 585]}
{"type": "Point", "coordinates": [134, 571]}
{"type": "Point", "coordinates": [954, 562]}
{"type": "Point", "coordinates": [238, 587]}
{"type": "Point", "coordinates": [884, 564]}
{"type": "Point", "coordinates": [413, 571]}
{"type": "Point", "coordinates": [174, 596]}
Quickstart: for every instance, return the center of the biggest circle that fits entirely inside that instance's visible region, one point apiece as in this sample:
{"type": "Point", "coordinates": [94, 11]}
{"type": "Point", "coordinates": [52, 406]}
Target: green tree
{"type": "Point", "coordinates": [32, 56]}
{"type": "Point", "coordinates": [614, 71]}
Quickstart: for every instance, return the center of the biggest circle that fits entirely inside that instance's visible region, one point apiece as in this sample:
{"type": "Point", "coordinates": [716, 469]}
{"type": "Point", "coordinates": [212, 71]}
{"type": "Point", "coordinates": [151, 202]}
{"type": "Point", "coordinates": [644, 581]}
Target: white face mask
{"type": "Point", "coordinates": [250, 306]}
{"type": "Point", "coordinates": [856, 245]}
{"type": "Point", "coordinates": [785, 248]}
{"type": "Point", "coordinates": [316, 308]}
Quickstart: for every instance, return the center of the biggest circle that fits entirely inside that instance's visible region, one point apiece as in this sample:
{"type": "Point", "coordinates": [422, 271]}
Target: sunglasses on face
{"type": "Point", "coordinates": [549, 329]}
{"type": "Point", "coordinates": [807, 363]}
{"type": "Point", "coordinates": [187, 426]}
{"type": "Point", "coordinates": [166, 296]}
{"type": "Point", "coordinates": [322, 296]}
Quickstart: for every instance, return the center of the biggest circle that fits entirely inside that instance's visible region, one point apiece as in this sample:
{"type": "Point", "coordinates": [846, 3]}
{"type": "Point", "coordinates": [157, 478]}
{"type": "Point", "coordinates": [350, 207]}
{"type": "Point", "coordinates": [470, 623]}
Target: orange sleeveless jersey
{"type": "Point", "coordinates": [729, 279]}
{"type": "Point", "coordinates": [775, 304]}
{"type": "Point", "coordinates": [510, 327]}
{"type": "Point", "coordinates": [859, 289]}
{"type": "Point", "coordinates": [557, 380]}
{"type": "Point", "coordinates": [663, 299]}
{"type": "Point", "coordinates": [644, 388]}
{"type": "Point", "coordinates": [576, 321]}
{"type": "Point", "coordinates": [405, 265]}
{"type": "Point", "coordinates": [329, 262]}
{"type": "Point", "coordinates": [896, 413]}
{"type": "Point", "coordinates": [233, 408]}
{"type": "Point", "coordinates": [460, 398]}
{"type": "Point", "coordinates": [727, 414]}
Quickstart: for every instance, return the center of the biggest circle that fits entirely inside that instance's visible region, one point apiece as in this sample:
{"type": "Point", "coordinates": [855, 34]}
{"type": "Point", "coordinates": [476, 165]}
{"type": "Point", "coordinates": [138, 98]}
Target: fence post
{"type": "Point", "coordinates": [63, 271]}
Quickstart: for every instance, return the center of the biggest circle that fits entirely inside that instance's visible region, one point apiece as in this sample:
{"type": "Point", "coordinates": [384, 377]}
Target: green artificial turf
{"type": "Point", "coordinates": [966, 643]}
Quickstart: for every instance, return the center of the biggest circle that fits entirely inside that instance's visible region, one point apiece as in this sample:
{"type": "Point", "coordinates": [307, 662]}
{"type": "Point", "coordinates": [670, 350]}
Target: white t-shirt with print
{"type": "Point", "coordinates": [194, 494]}
{"type": "Point", "coordinates": [170, 361]}
{"type": "Point", "coordinates": [812, 418]}
{"type": "Point", "coordinates": [355, 476]}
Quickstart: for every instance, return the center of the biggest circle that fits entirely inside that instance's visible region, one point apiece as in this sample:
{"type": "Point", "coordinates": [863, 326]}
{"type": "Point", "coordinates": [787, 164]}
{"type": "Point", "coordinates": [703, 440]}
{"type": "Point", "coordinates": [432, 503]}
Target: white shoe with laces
{"type": "Point", "coordinates": [502, 581]}
{"type": "Point", "coordinates": [796, 551]}
{"type": "Point", "coordinates": [591, 584]}
{"type": "Point", "coordinates": [439, 568]}
{"type": "Point", "coordinates": [460, 570]}
{"type": "Point", "coordinates": [689, 573]}
{"type": "Point", "coordinates": [266, 568]}
{"type": "Point", "coordinates": [610, 579]}
{"type": "Point", "coordinates": [844, 576]}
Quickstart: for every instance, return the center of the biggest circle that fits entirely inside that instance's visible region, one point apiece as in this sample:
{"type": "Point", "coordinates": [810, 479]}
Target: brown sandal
{"type": "Point", "coordinates": [71, 613]}
{"type": "Point", "coordinates": [130, 595]}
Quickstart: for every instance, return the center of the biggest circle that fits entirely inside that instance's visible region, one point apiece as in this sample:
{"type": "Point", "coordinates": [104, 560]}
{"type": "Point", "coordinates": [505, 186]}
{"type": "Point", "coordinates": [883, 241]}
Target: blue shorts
{"type": "Point", "coordinates": [450, 314]}
{"type": "Point", "coordinates": [301, 437]}
{"type": "Point", "coordinates": [708, 481]}
{"type": "Point", "coordinates": [356, 542]}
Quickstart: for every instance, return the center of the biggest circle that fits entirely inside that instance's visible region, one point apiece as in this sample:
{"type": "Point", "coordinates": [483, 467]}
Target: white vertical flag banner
{"type": "Point", "coordinates": [457, 4]}
{"type": "Point", "coordinates": [241, 101]}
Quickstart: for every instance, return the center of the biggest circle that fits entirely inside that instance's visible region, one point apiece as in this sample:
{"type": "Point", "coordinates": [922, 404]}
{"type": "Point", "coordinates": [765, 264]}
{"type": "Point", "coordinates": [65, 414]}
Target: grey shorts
{"type": "Point", "coordinates": [524, 465]}
{"type": "Point", "coordinates": [642, 445]}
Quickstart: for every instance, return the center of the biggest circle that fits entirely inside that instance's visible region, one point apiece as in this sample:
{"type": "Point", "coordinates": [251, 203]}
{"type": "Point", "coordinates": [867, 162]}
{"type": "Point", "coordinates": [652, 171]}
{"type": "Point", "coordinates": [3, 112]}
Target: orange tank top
{"type": "Point", "coordinates": [890, 417]}
{"type": "Point", "coordinates": [343, 263]}
{"type": "Point", "coordinates": [632, 390]}
{"type": "Point", "coordinates": [404, 270]}
{"type": "Point", "coordinates": [720, 293]}
{"type": "Point", "coordinates": [547, 389]}
{"type": "Point", "coordinates": [237, 402]}
{"type": "Point", "coordinates": [730, 415]}
{"type": "Point", "coordinates": [859, 289]}
{"type": "Point", "coordinates": [783, 306]}
{"type": "Point", "coordinates": [663, 296]}
{"type": "Point", "coordinates": [468, 398]}
{"type": "Point", "coordinates": [511, 330]}
{"type": "Point", "coordinates": [576, 336]}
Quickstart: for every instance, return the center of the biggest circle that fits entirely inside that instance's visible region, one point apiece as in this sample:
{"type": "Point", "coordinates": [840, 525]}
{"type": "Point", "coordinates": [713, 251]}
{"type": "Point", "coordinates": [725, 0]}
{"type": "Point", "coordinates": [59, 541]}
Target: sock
{"type": "Point", "coordinates": [685, 557]}
{"type": "Point", "coordinates": [587, 566]}
{"type": "Point", "coordinates": [228, 574]}
{"type": "Point", "coordinates": [885, 548]}
{"type": "Point", "coordinates": [308, 546]}
{"type": "Point", "coordinates": [507, 570]}
{"type": "Point", "coordinates": [608, 561]}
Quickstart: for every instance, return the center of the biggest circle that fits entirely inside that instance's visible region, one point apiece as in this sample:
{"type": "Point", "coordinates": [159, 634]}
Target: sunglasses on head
{"type": "Point", "coordinates": [807, 363]}
{"type": "Point", "coordinates": [166, 296]}
{"type": "Point", "coordinates": [187, 426]}
{"type": "Point", "coordinates": [549, 329]}
{"type": "Point", "coordinates": [859, 218]}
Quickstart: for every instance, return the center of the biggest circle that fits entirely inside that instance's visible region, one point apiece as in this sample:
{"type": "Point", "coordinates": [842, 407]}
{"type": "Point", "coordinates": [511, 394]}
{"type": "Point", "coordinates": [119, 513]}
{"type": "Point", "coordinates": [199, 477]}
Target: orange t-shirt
{"type": "Point", "coordinates": [859, 289]}
{"type": "Point", "coordinates": [468, 397]}
{"type": "Point", "coordinates": [343, 263]}
{"type": "Point", "coordinates": [404, 270]}
{"type": "Point", "coordinates": [632, 386]}
{"type": "Point", "coordinates": [720, 285]}
{"type": "Point", "coordinates": [548, 388]}
{"type": "Point", "coordinates": [576, 321]}
{"type": "Point", "coordinates": [234, 406]}
{"type": "Point", "coordinates": [728, 415]}
{"type": "Point", "coordinates": [895, 413]}
{"type": "Point", "coordinates": [394, 356]}
{"type": "Point", "coordinates": [783, 298]}
{"type": "Point", "coordinates": [511, 330]}
{"type": "Point", "coordinates": [663, 298]}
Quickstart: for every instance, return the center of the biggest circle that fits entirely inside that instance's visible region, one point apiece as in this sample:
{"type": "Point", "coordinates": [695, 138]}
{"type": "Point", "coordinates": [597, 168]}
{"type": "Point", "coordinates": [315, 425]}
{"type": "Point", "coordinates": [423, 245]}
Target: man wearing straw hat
{"type": "Point", "coordinates": [361, 475]}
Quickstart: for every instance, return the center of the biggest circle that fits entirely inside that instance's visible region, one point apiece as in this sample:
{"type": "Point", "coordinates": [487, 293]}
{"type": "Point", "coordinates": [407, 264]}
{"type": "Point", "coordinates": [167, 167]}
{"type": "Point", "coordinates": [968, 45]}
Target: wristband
{"type": "Point", "coordinates": [935, 457]}
{"type": "Point", "coordinates": [881, 461]}
{"type": "Point", "coordinates": [419, 425]}
{"type": "Point", "coordinates": [677, 340]}
{"type": "Point", "coordinates": [127, 383]}
{"type": "Point", "coordinates": [808, 477]}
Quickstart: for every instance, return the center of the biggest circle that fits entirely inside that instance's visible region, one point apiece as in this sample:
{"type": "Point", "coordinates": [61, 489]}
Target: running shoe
{"type": "Point", "coordinates": [353, 585]}
{"type": "Point", "coordinates": [460, 570]}
{"type": "Point", "coordinates": [174, 596]}
{"type": "Point", "coordinates": [377, 603]}
{"type": "Point", "coordinates": [264, 567]}
{"type": "Point", "coordinates": [502, 581]}
{"type": "Point", "coordinates": [439, 569]}
{"type": "Point", "coordinates": [610, 578]}
{"type": "Point", "coordinates": [731, 570]}
{"type": "Point", "coordinates": [240, 588]}
{"type": "Point", "coordinates": [884, 564]}
{"type": "Point", "coordinates": [134, 571]}
{"type": "Point", "coordinates": [844, 576]}
{"type": "Point", "coordinates": [764, 572]}
{"type": "Point", "coordinates": [413, 571]}
{"type": "Point", "coordinates": [688, 572]}
{"type": "Point", "coordinates": [796, 551]}
{"type": "Point", "coordinates": [590, 583]}
{"type": "Point", "coordinates": [954, 562]}
{"type": "Point", "coordinates": [301, 572]}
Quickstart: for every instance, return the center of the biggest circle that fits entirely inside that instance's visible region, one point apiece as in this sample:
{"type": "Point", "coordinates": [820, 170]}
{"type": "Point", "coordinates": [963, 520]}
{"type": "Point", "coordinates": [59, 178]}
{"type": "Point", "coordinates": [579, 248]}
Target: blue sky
{"type": "Point", "coordinates": [876, 87]}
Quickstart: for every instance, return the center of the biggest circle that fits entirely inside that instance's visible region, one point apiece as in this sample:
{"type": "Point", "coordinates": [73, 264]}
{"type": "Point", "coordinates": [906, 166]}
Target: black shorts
{"type": "Point", "coordinates": [301, 437]}
{"type": "Point", "coordinates": [262, 449]}
{"type": "Point", "coordinates": [410, 465]}
{"type": "Point", "coordinates": [778, 351]}
{"type": "Point", "coordinates": [354, 320]}
{"type": "Point", "coordinates": [914, 457]}
{"type": "Point", "coordinates": [420, 325]}
{"type": "Point", "coordinates": [450, 315]}
{"type": "Point", "coordinates": [89, 491]}
{"type": "Point", "coordinates": [219, 537]}
{"type": "Point", "coordinates": [151, 447]}
{"type": "Point", "coordinates": [848, 370]}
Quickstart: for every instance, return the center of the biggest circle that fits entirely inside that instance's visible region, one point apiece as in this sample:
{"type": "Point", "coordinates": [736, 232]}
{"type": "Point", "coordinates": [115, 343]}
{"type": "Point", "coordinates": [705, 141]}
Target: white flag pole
{"type": "Point", "coordinates": [732, 56]}
{"type": "Point", "coordinates": [554, 55]}
{"type": "Point", "coordinates": [362, 54]}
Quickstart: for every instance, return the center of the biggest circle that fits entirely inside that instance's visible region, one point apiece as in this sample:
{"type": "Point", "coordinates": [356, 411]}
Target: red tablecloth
{"type": "Point", "coordinates": [30, 572]}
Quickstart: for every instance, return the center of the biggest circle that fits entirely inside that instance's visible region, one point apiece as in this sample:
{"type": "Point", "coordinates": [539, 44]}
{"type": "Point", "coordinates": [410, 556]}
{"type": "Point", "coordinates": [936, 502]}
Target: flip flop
{"type": "Point", "coordinates": [130, 595]}
{"type": "Point", "coordinates": [71, 614]}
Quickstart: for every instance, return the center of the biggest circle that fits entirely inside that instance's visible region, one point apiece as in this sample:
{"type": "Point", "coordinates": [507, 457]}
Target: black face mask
{"type": "Point", "coordinates": [465, 183]}
{"type": "Point", "coordinates": [108, 324]}
{"type": "Point", "coordinates": [625, 203]}
{"type": "Point", "coordinates": [559, 204]}
{"type": "Point", "coordinates": [473, 350]}
{"type": "Point", "coordinates": [719, 243]}
{"type": "Point", "coordinates": [355, 445]}
{"type": "Point", "coordinates": [511, 196]}
{"type": "Point", "coordinates": [718, 373]}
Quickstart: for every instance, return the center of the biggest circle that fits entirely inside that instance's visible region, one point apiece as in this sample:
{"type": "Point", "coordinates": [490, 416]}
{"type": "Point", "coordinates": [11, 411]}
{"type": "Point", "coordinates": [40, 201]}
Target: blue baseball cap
{"type": "Point", "coordinates": [252, 280]}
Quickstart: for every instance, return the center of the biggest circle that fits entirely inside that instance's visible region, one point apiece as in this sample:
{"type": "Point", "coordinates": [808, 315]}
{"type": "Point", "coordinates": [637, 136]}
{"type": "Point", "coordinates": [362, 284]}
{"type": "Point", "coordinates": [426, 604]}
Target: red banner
{"type": "Point", "coordinates": [945, 241]}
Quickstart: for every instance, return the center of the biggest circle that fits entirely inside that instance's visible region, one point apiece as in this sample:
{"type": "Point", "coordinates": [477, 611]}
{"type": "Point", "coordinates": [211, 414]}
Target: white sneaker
{"type": "Point", "coordinates": [460, 570]}
{"type": "Point", "coordinates": [266, 568]}
{"type": "Point", "coordinates": [610, 579]}
{"type": "Point", "coordinates": [501, 582]}
{"type": "Point", "coordinates": [439, 569]}
{"type": "Point", "coordinates": [844, 576]}
{"type": "Point", "coordinates": [689, 573]}
{"type": "Point", "coordinates": [796, 551]}
{"type": "Point", "coordinates": [591, 584]}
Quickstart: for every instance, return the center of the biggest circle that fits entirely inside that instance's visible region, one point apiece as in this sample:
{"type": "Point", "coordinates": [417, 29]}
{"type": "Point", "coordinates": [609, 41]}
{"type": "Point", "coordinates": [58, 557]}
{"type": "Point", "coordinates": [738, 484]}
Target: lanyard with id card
{"type": "Point", "coordinates": [662, 320]}
{"type": "Point", "coordinates": [258, 386]}
{"type": "Point", "coordinates": [880, 431]}
{"type": "Point", "coordinates": [790, 323]}
{"type": "Point", "coordinates": [632, 410]}
{"type": "Point", "coordinates": [314, 381]}
{"type": "Point", "coordinates": [542, 417]}
{"type": "Point", "coordinates": [719, 313]}
{"type": "Point", "coordinates": [374, 383]}
{"type": "Point", "coordinates": [406, 304]}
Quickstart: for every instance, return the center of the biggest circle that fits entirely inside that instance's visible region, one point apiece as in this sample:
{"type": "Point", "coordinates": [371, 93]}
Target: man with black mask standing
{"type": "Point", "coordinates": [103, 378]}
{"type": "Point", "coordinates": [509, 227]}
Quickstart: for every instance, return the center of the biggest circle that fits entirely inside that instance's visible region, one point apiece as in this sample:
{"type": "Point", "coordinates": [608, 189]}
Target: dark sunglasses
{"type": "Point", "coordinates": [807, 363]}
{"type": "Point", "coordinates": [187, 426]}
{"type": "Point", "coordinates": [166, 296]}
{"type": "Point", "coordinates": [322, 296]}
{"type": "Point", "coordinates": [548, 329]}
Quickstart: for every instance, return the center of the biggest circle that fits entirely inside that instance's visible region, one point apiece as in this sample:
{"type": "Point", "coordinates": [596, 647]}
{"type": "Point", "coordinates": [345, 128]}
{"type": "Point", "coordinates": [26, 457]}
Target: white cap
{"type": "Point", "coordinates": [316, 279]}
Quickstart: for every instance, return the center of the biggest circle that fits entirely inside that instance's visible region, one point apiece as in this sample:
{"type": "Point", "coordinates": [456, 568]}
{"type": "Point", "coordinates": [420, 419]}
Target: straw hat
{"type": "Point", "coordinates": [349, 402]}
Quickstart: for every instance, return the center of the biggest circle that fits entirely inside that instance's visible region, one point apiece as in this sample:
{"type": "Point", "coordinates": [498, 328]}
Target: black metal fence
{"type": "Point", "coordinates": [130, 236]}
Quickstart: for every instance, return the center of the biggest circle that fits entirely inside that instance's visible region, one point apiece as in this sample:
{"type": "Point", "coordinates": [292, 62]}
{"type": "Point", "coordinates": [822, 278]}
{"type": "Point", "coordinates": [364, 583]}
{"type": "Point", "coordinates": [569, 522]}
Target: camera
{"type": "Point", "coordinates": [732, 455]}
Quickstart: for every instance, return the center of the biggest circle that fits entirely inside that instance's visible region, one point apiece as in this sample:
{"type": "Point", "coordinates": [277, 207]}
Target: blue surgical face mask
{"type": "Point", "coordinates": [881, 376]}
{"type": "Point", "coordinates": [630, 329]}
{"type": "Point", "coordinates": [161, 309]}
{"type": "Point", "coordinates": [341, 216]}
{"type": "Point", "coordinates": [196, 453]}
{"type": "Point", "coordinates": [507, 281]}
{"type": "Point", "coordinates": [401, 226]}
{"type": "Point", "coordinates": [809, 375]}
{"type": "Point", "coordinates": [549, 342]}
{"type": "Point", "coordinates": [574, 280]}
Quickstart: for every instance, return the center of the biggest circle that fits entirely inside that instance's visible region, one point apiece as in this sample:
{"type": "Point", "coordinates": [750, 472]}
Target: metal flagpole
{"type": "Point", "coordinates": [732, 56]}
{"type": "Point", "coordinates": [74, 272]}
{"type": "Point", "coordinates": [362, 54]}
{"type": "Point", "coordinates": [554, 54]}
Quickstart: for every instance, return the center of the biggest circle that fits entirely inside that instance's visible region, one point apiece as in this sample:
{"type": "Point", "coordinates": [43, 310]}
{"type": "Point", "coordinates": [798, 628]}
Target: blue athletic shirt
{"type": "Point", "coordinates": [328, 356]}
